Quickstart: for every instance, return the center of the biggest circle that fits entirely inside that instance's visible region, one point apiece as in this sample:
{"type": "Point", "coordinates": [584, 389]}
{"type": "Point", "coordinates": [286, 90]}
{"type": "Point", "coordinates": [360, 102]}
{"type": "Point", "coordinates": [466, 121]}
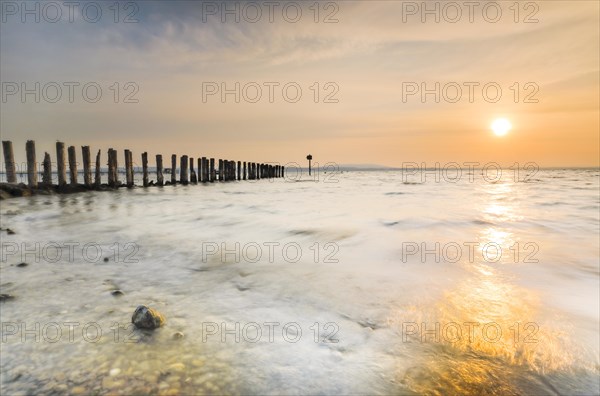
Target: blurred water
{"type": "Point", "coordinates": [344, 264]}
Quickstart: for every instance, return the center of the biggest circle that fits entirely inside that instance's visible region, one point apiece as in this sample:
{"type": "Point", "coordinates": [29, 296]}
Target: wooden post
{"type": "Point", "coordinates": [173, 169]}
{"type": "Point", "coordinates": [200, 169]}
{"type": "Point", "coordinates": [208, 169]}
{"type": "Point", "coordinates": [72, 165]}
{"type": "Point", "coordinates": [220, 170]}
{"type": "Point", "coordinates": [202, 166]}
{"type": "Point", "coordinates": [239, 170]}
{"type": "Point", "coordinates": [31, 164]}
{"type": "Point", "coordinates": [128, 169]}
{"type": "Point", "coordinates": [113, 175]}
{"type": "Point", "coordinates": [145, 168]}
{"type": "Point", "coordinates": [204, 170]}
{"type": "Point", "coordinates": [116, 167]}
{"type": "Point", "coordinates": [111, 180]}
{"type": "Point", "coordinates": [131, 170]}
{"type": "Point", "coordinates": [60, 163]}
{"type": "Point", "coordinates": [212, 170]}
{"type": "Point", "coordinates": [283, 171]}
{"type": "Point", "coordinates": [191, 169]}
{"type": "Point", "coordinates": [244, 171]}
{"type": "Point", "coordinates": [9, 161]}
{"type": "Point", "coordinates": [98, 176]}
{"type": "Point", "coordinates": [115, 160]}
{"type": "Point", "coordinates": [193, 178]}
{"type": "Point", "coordinates": [159, 170]}
{"type": "Point", "coordinates": [183, 176]}
{"type": "Point", "coordinates": [87, 166]}
{"type": "Point", "coordinates": [47, 176]}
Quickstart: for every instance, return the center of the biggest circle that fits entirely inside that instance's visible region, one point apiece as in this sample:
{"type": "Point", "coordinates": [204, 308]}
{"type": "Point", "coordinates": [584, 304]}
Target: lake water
{"type": "Point", "coordinates": [360, 282]}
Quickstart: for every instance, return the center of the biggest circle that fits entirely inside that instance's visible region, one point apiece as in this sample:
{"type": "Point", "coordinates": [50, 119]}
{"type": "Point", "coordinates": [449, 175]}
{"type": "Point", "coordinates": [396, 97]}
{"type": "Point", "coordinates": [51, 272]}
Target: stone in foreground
{"type": "Point", "coordinates": [147, 318]}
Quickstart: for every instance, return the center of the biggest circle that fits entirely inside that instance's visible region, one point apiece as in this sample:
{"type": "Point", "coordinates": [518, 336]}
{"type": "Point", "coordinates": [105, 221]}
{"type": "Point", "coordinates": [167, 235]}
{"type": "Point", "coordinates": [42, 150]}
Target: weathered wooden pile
{"type": "Point", "coordinates": [205, 171]}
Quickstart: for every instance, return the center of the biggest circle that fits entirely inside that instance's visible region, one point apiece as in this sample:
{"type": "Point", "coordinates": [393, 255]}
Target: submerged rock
{"type": "Point", "coordinates": [117, 293]}
{"type": "Point", "coordinates": [5, 297]}
{"type": "Point", "coordinates": [114, 372]}
{"type": "Point", "coordinates": [22, 265]}
{"type": "Point", "coordinates": [147, 318]}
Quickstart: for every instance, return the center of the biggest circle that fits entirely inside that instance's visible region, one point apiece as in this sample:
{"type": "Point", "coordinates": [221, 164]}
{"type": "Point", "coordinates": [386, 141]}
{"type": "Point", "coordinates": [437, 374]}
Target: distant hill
{"type": "Point", "coordinates": [355, 167]}
{"type": "Point", "coordinates": [363, 167]}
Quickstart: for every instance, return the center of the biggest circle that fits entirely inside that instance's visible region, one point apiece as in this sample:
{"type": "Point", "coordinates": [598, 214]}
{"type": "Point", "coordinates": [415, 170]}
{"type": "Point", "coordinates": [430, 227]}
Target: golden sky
{"type": "Point", "coordinates": [365, 58]}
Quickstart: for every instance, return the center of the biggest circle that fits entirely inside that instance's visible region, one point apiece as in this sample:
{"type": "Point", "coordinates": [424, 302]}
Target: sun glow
{"type": "Point", "coordinates": [501, 126]}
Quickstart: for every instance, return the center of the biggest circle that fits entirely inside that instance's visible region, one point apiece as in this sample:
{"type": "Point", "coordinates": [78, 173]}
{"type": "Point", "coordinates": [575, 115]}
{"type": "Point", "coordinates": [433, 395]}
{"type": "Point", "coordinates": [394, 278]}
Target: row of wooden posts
{"type": "Point", "coordinates": [227, 170]}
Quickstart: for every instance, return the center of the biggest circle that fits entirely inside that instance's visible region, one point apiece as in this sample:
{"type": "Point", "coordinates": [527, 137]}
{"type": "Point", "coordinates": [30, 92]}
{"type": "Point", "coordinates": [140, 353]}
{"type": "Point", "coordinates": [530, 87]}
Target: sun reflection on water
{"type": "Point", "coordinates": [490, 329]}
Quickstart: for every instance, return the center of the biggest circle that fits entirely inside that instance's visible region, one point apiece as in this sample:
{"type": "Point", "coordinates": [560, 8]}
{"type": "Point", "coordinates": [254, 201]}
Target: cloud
{"type": "Point", "coordinates": [369, 53]}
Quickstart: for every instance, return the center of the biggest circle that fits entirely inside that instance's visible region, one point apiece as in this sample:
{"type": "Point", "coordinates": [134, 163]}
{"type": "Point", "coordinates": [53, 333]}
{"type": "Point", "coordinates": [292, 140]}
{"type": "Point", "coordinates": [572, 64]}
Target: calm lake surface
{"type": "Point", "coordinates": [360, 282]}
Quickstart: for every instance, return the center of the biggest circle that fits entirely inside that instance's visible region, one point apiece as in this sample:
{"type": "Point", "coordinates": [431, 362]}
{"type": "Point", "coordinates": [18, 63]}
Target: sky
{"type": "Point", "coordinates": [343, 80]}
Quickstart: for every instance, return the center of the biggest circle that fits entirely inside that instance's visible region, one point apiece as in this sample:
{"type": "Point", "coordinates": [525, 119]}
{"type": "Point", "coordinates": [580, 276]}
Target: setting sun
{"type": "Point", "coordinates": [501, 126]}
